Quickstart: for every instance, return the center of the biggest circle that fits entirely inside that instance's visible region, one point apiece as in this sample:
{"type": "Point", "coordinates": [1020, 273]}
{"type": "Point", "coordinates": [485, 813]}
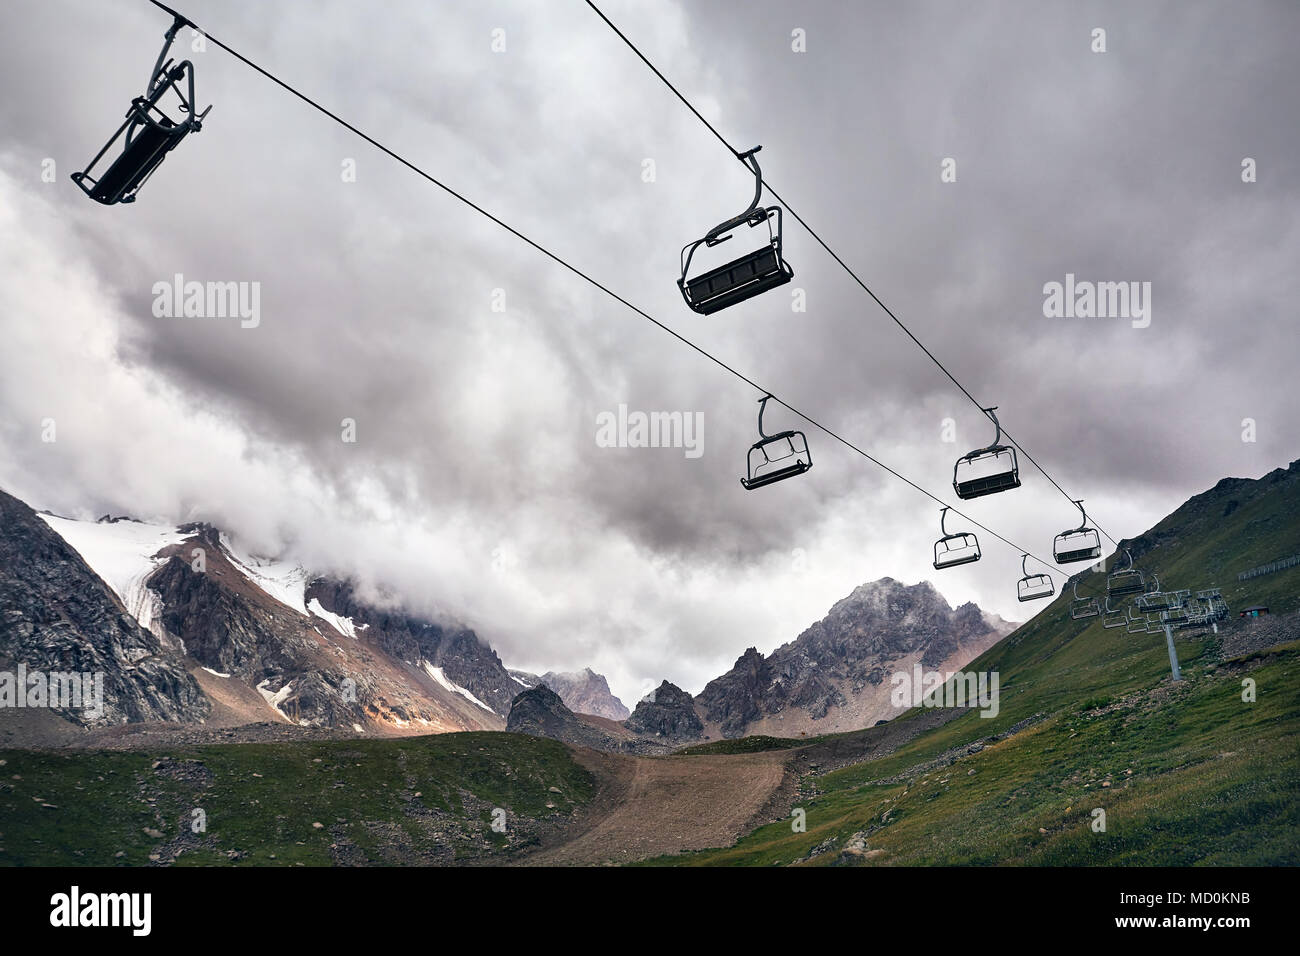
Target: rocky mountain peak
{"type": "Point", "coordinates": [58, 616]}
{"type": "Point", "coordinates": [667, 711]}
{"type": "Point", "coordinates": [586, 692]}
{"type": "Point", "coordinates": [845, 657]}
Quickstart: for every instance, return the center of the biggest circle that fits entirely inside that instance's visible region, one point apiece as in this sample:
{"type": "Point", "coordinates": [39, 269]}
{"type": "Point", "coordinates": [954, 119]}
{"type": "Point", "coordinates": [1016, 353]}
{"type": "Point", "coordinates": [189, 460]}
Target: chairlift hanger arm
{"type": "Point", "coordinates": [178, 21]}
{"type": "Point", "coordinates": [752, 215]}
{"type": "Point", "coordinates": [762, 407]}
{"type": "Point", "coordinates": [997, 445]}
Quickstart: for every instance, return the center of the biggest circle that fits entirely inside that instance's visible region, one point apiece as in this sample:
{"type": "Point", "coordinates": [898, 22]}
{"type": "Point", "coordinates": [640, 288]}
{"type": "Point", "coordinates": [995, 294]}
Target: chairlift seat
{"type": "Point", "coordinates": [145, 151]}
{"type": "Point", "coordinates": [1078, 554]}
{"type": "Point", "coordinates": [736, 281]}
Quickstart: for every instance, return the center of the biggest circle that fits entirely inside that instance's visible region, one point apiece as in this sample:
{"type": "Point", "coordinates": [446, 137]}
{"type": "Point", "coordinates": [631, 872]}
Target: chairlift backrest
{"type": "Point", "coordinates": [744, 277]}
{"type": "Point", "coordinates": [988, 470]}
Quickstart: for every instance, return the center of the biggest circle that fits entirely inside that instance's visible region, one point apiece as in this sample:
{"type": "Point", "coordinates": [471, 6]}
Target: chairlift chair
{"type": "Point", "coordinates": [988, 470]}
{"type": "Point", "coordinates": [1083, 607]}
{"type": "Point", "coordinates": [1033, 587]}
{"type": "Point", "coordinates": [1129, 580]}
{"type": "Point", "coordinates": [148, 134]}
{"type": "Point", "coordinates": [1112, 618]}
{"type": "Point", "coordinates": [1217, 606]}
{"type": "Point", "coordinates": [1077, 544]}
{"type": "Point", "coordinates": [962, 547]}
{"type": "Point", "coordinates": [1158, 602]}
{"type": "Point", "coordinates": [1198, 613]}
{"type": "Point", "coordinates": [742, 278]}
{"type": "Point", "coordinates": [769, 459]}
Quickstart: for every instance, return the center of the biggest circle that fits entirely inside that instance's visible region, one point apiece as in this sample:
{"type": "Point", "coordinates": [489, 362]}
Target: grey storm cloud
{"type": "Point", "coordinates": [477, 487]}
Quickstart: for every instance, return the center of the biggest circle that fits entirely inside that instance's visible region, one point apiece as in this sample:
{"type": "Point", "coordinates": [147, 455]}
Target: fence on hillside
{"type": "Point", "coordinates": [1269, 568]}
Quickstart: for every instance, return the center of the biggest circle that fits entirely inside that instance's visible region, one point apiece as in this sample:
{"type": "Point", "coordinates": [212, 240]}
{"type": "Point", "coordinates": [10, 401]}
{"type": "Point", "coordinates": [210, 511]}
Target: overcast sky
{"type": "Point", "coordinates": [476, 486]}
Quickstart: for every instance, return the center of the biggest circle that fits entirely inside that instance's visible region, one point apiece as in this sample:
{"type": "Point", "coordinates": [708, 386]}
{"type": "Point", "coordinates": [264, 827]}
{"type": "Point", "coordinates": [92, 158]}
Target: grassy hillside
{"type": "Point", "coordinates": [1089, 719]}
{"type": "Point", "coordinates": [1235, 526]}
{"type": "Point", "coordinates": [1185, 774]}
{"type": "Point", "coordinates": [420, 800]}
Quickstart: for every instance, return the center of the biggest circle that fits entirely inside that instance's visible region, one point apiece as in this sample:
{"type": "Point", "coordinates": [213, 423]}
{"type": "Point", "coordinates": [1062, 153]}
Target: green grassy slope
{"type": "Point", "coordinates": [1186, 773]}
{"type": "Point", "coordinates": [418, 800]}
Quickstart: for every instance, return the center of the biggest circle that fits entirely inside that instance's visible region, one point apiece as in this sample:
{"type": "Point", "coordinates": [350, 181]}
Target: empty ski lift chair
{"type": "Point", "coordinates": [742, 278]}
{"type": "Point", "coordinates": [1197, 614]}
{"type": "Point", "coordinates": [1184, 611]}
{"type": "Point", "coordinates": [1033, 587]}
{"type": "Point", "coordinates": [1077, 544]}
{"type": "Point", "coordinates": [1083, 607]}
{"type": "Point", "coordinates": [1216, 605]}
{"type": "Point", "coordinates": [986, 471]}
{"type": "Point", "coordinates": [776, 457]}
{"type": "Point", "coordinates": [1157, 602]}
{"type": "Point", "coordinates": [951, 550]}
{"type": "Point", "coordinates": [1124, 581]}
{"type": "Point", "coordinates": [1112, 618]}
{"type": "Point", "coordinates": [148, 134]}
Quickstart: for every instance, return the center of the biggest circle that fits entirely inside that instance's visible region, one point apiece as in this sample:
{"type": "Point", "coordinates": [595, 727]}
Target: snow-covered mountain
{"type": "Point", "coordinates": [57, 617]}
{"type": "Point", "coordinates": [264, 639]}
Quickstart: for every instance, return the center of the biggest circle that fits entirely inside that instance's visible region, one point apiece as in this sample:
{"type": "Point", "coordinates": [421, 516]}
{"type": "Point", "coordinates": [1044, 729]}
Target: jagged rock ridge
{"type": "Point", "coordinates": [56, 615]}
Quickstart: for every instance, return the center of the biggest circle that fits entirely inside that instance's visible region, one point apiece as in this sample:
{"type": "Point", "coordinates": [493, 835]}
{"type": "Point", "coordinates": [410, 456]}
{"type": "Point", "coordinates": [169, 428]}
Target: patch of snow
{"type": "Point", "coordinates": [341, 624]}
{"type": "Point", "coordinates": [215, 673]}
{"type": "Point", "coordinates": [277, 697]}
{"type": "Point", "coordinates": [122, 554]}
{"type": "Point", "coordinates": [437, 674]}
{"type": "Point", "coordinates": [283, 580]}
{"type": "Point", "coordinates": [357, 728]}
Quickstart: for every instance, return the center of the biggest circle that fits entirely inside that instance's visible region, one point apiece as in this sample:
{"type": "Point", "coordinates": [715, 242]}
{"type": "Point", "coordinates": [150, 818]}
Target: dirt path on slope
{"type": "Point", "coordinates": [649, 806]}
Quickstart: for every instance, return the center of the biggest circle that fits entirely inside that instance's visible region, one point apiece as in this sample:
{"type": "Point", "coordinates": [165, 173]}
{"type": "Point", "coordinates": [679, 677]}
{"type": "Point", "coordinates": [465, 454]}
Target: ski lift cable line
{"type": "Point", "coordinates": [833, 254]}
{"type": "Point", "coordinates": [589, 279]}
